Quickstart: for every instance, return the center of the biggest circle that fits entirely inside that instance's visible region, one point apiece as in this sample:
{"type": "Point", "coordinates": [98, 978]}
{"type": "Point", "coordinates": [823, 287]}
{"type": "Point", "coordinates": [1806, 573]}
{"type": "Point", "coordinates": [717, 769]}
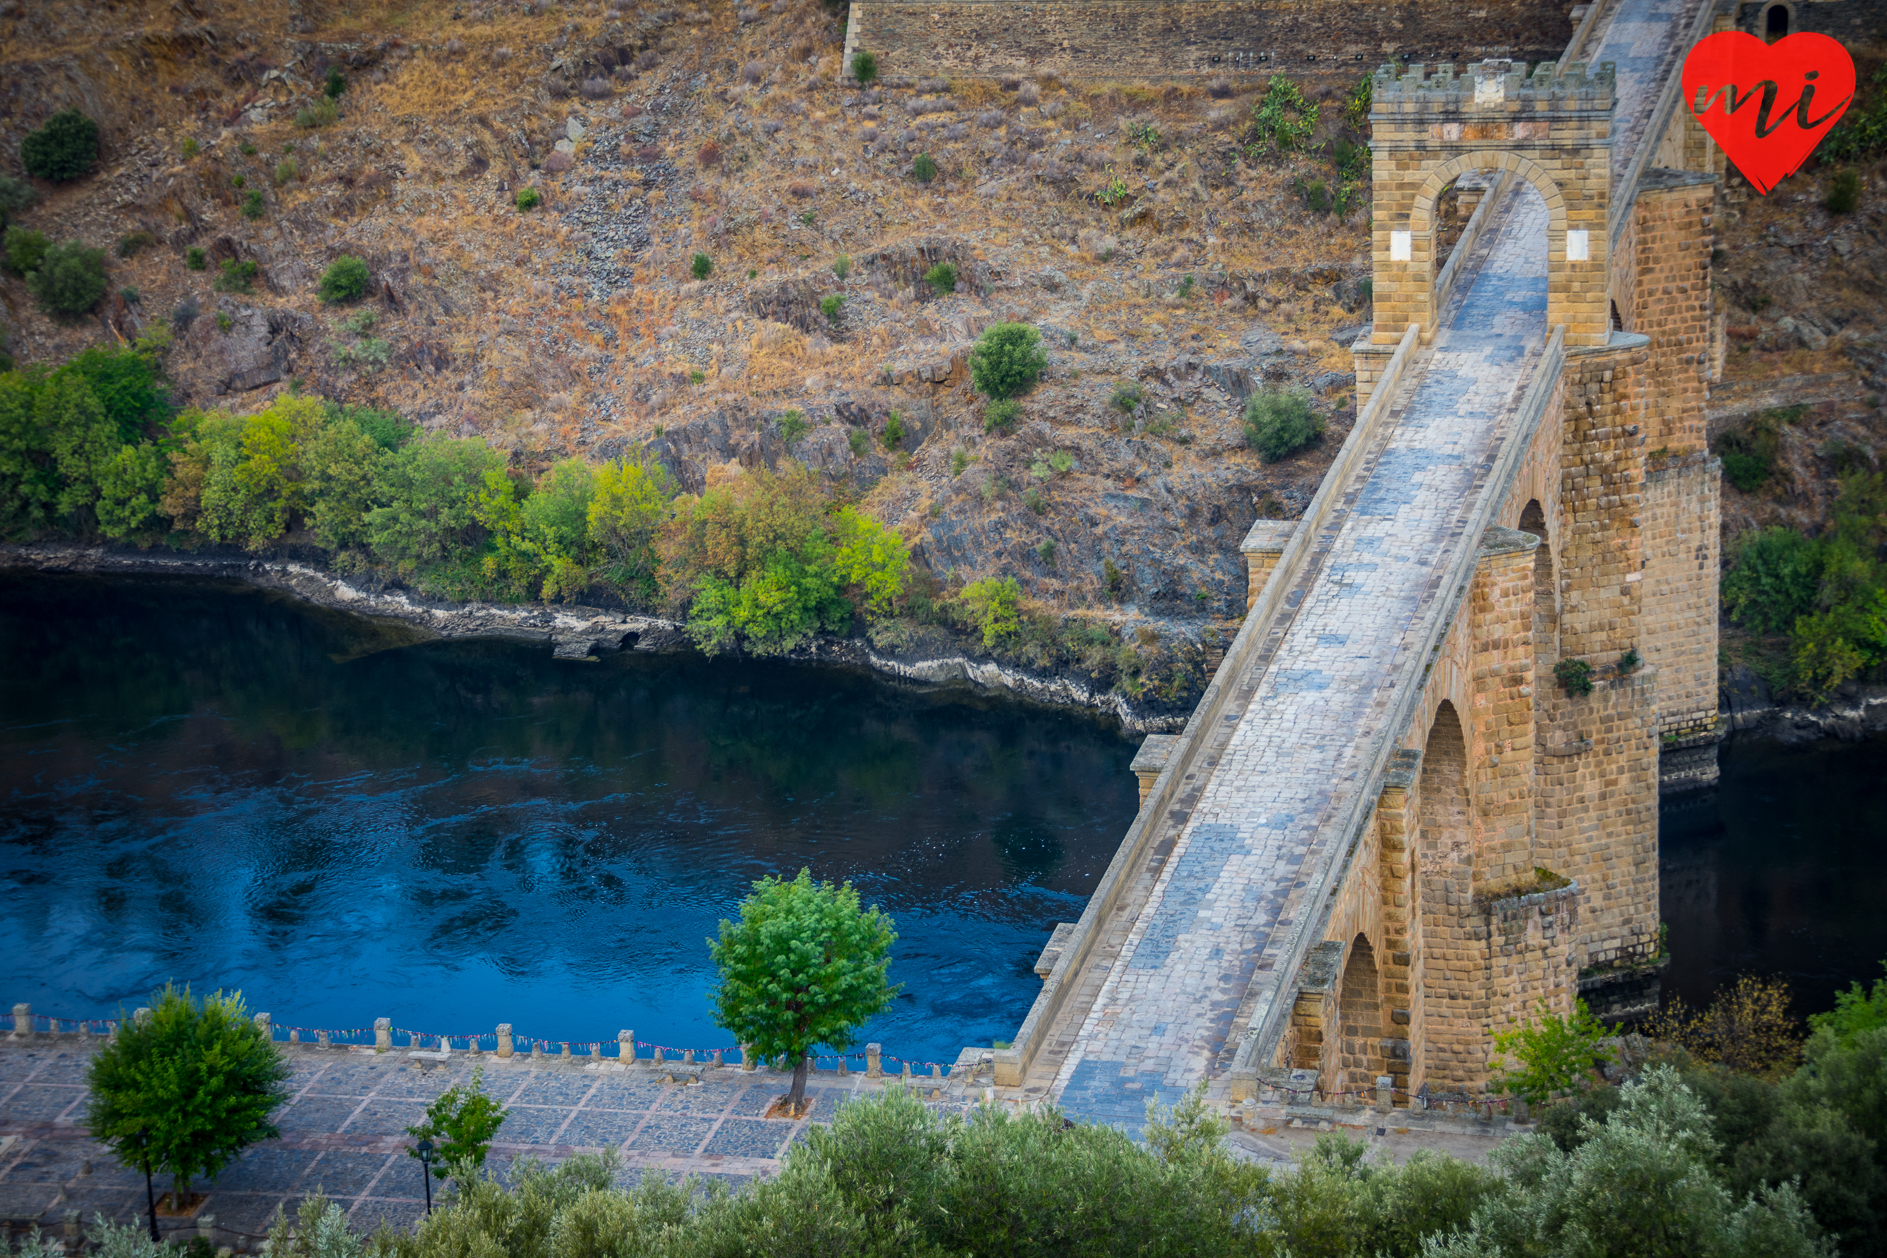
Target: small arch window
{"type": "Point", "coordinates": [1775, 22]}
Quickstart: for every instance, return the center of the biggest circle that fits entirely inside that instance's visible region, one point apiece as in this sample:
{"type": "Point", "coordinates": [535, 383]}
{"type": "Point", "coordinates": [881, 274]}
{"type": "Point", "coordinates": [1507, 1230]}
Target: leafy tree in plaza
{"type": "Point", "coordinates": [805, 965]}
{"type": "Point", "coordinates": [460, 1124]}
{"type": "Point", "coordinates": [187, 1088]}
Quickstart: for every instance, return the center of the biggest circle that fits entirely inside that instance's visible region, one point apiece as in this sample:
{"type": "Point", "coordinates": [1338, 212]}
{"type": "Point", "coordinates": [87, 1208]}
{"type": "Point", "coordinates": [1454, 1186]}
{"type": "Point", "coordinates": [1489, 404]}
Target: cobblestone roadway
{"type": "Point", "coordinates": [343, 1134]}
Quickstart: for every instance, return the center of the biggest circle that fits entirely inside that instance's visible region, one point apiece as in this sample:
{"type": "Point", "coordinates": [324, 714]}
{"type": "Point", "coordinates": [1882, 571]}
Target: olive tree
{"type": "Point", "coordinates": [185, 1088]}
{"type": "Point", "coordinates": [805, 965]}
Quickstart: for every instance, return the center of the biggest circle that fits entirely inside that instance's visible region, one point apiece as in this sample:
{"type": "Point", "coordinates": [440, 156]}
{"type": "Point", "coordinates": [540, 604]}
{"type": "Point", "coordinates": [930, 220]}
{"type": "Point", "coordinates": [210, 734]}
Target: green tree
{"type": "Point", "coordinates": [16, 197]}
{"type": "Point", "coordinates": [29, 479]}
{"type": "Point", "coordinates": [460, 1123]}
{"type": "Point", "coordinates": [430, 493]}
{"type": "Point", "coordinates": [25, 248]}
{"type": "Point", "coordinates": [127, 380]}
{"type": "Point", "coordinates": [346, 280]}
{"type": "Point", "coordinates": [804, 966]}
{"type": "Point", "coordinates": [82, 439]}
{"type": "Point", "coordinates": [1640, 1184]}
{"type": "Point", "coordinates": [344, 464]}
{"type": "Point", "coordinates": [1553, 1056]}
{"type": "Point", "coordinates": [1772, 578]}
{"type": "Point", "coordinates": [1856, 1010]}
{"type": "Point", "coordinates": [1007, 359]}
{"type": "Point", "coordinates": [1279, 422]}
{"type": "Point", "coordinates": [628, 507]}
{"type": "Point", "coordinates": [871, 560]}
{"type": "Point", "coordinates": [69, 280]}
{"type": "Point", "coordinates": [186, 1088]}
{"type": "Point", "coordinates": [995, 604]}
{"type": "Point", "coordinates": [130, 491]}
{"type": "Point", "coordinates": [63, 149]}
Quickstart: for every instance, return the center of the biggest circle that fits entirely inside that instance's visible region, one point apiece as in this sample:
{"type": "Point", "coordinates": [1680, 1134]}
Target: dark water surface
{"type": "Point", "coordinates": [206, 783]}
{"type": "Point", "coordinates": [1781, 870]}
{"type": "Point", "coordinates": [210, 784]}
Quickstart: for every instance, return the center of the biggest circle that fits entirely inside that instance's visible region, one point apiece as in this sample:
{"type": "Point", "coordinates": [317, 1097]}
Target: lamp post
{"type": "Point", "coordinates": [150, 1193]}
{"type": "Point", "coordinates": [425, 1173]}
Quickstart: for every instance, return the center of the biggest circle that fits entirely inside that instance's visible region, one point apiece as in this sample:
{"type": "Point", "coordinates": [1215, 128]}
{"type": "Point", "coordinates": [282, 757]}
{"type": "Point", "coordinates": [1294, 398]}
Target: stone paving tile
{"type": "Point", "coordinates": [711, 1098]}
{"type": "Point", "coordinates": [554, 1090]}
{"type": "Point", "coordinates": [534, 1126]}
{"type": "Point", "coordinates": [34, 1101]}
{"type": "Point", "coordinates": [343, 1173]}
{"type": "Point", "coordinates": [663, 1133]}
{"type": "Point", "coordinates": [317, 1113]}
{"type": "Point", "coordinates": [379, 1117]}
{"type": "Point", "coordinates": [747, 1138]}
{"type": "Point", "coordinates": [607, 1129]}
{"type": "Point", "coordinates": [266, 1167]}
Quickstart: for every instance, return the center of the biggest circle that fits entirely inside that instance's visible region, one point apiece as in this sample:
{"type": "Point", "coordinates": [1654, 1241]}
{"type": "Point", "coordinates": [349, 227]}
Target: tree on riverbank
{"type": "Point", "coordinates": [804, 966]}
{"type": "Point", "coordinates": [186, 1088]}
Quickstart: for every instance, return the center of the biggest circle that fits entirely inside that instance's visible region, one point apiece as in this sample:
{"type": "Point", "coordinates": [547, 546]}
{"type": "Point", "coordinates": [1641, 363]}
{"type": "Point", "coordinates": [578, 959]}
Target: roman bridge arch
{"type": "Point", "coordinates": [1552, 131]}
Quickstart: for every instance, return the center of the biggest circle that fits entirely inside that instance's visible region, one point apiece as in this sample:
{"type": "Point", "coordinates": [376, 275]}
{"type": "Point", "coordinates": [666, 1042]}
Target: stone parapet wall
{"type": "Point", "coordinates": [1321, 40]}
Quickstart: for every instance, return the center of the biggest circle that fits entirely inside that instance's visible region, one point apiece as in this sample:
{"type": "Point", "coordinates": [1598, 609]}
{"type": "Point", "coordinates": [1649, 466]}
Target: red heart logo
{"type": "Point", "coordinates": [1768, 105]}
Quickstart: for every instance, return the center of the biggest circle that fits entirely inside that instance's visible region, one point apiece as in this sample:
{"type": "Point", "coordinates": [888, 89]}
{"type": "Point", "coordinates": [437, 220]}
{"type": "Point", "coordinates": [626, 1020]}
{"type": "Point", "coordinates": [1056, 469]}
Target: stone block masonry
{"type": "Point", "coordinates": [1335, 41]}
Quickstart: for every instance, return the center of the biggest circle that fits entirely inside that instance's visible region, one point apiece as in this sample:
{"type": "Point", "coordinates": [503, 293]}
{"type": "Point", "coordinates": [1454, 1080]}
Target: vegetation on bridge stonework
{"type": "Point", "coordinates": [756, 562]}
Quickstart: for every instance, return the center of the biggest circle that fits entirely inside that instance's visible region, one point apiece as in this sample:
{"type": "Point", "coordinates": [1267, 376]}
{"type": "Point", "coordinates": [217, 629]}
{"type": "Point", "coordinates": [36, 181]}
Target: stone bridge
{"type": "Point", "coordinates": [1392, 828]}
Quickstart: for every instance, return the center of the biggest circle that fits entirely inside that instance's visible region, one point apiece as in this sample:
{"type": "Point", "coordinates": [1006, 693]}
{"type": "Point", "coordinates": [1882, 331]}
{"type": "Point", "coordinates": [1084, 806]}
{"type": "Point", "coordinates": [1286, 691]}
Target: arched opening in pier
{"type": "Point", "coordinates": [1775, 22]}
{"type": "Point", "coordinates": [1450, 990]}
{"type": "Point", "coordinates": [1361, 1020]}
{"type": "Point", "coordinates": [1545, 595]}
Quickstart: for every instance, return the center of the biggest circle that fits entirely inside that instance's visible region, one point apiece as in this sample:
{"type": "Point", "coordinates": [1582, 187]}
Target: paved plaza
{"type": "Point", "coordinates": [343, 1133]}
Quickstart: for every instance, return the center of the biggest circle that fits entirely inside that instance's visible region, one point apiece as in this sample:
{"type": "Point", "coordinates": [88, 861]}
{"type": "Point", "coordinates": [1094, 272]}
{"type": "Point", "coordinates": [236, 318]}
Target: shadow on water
{"type": "Point", "coordinates": [1778, 871]}
{"type": "Point", "coordinates": [213, 784]}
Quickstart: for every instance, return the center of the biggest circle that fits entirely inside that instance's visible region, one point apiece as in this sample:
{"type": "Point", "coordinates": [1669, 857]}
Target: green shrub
{"type": "Point", "coordinates": [25, 249]}
{"type": "Point", "coordinates": [1061, 462]}
{"type": "Point", "coordinates": [1282, 120]}
{"type": "Point", "coordinates": [942, 278]}
{"type": "Point", "coordinates": [1045, 551]}
{"type": "Point", "coordinates": [1000, 414]}
{"type": "Point", "coordinates": [894, 431]}
{"type": "Point", "coordinates": [1316, 194]}
{"type": "Point", "coordinates": [1553, 1056]}
{"type": "Point", "coordinates": [236, 276]}
{"type": "Point", "coordinates": [69, 280]}
{"type": "Point", "coordinates": [129, 293]}
{"type": "Point", "coordinates": [195, 258]}
{"type": "Point", "coordinates": [858, 442]}
{"type": "Point", "coordinates": [1008, 359]}
{"type": "Point", "coordinates": [1575, 676]}
{"type": "Point", "coordinates": [322, 113]}
{"type": "Point", "coordinates": [246, 148]}
{"type": "Point", "coordinates": [959, 460]}
{"type": "Point", "coordinates": [1278, 422]}
{"type": "Point", "coordinates": [1750, 449]}
{"type": "Point", "coordinates": [239, 181]}
{"type": "Point", "coordinates": [1629, 662]}
{"type": "Point", "coordinates": [132, 243]}
{"type": "Point", "coordinates": [1127, 397]}
{"type": "Point", "coordinates": [528, 199]}
{"type": "Point", "coordinates": [1112, 578]}
{"type": "Point", "coordinates": [841, 266]}
{"type": "Point", "coordinates": [697, 377]}
{"type": "Point", "coordinates": [223, 322]}
{"type": "Point", "coordinates": [995, 607]}
{"type": "Point", "coordinates": [832, 307]}
{"type": "Point", "coordinates": [347, 280]}
{"type": "Point", "coordinates": [191, 148]}
{"type": "Point", "coordinates": [923, 169]}
{"type": "Point", "coordinates": [701, 266]}
{"type": "Point", "coordinates": [335, 85]}
{"type": "Point", "coordinates": [1844, 192]}
{"type": "Point", "coordinates": [864, 66]}
{"type": "Point", "coordinates": [286, 170]}
{"type": "Point", "coordinates": [16, 197]}
{"type": "Point", "coordinates": [253, 206]}
{"type": "Point", "coordinates": [792, 426]}
{"type": "Point", "coordinates": [65, 148]}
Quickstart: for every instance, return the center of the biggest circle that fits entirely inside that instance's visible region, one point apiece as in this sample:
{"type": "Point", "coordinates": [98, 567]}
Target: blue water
{"type": "Point", "coordinates": [212, 785]}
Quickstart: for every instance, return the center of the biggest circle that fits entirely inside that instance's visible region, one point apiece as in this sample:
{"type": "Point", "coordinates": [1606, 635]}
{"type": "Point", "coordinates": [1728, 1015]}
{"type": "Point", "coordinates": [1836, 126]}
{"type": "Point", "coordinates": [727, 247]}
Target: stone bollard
{"type": "Point", "coordinates": [206, 1227]}
{"type": "Point", "coordinates": [294, 1035]}
{"type": "Point", "coordinates": [688, 1057]}
{"type": "Point", "coordinates": [382, 1034]}
{"type": "Point", "coordinates": [22, 1022]}
{"type": "Point", "coordinates": [626, 1046]}
{"type": "Point", "coordinates": [323, 1040]}
{"type": "Point", "coordinates": [1521, 1113]}
{"type": "Point", "coordinates": [936, 1072]}
{"type": "Point", "coordinates": [475, 1046]}
{"type": "Point", "coordinates": [845, 1065]}
{"type": "Point", "coordinates": [656, 1056]}
{"type": "Point", "coordinates": [505, 1048]}
{"type": "Point", "coordinates": [566, 1049]}
{"type": "Point", "coordinates": [1385, 1093]}
{"type": "Point", "coordinates": [907, 1074]}
{"type": "Point", "coordinates": [714, 1059]}
{"type": "Point", "coordinates": [262, 1024]}
{"type": "Point", "coordinates": [537, 1053]}
{"type": "Point", "coordinates": [874, 1061]}
{"type": "Point", "coordinates": [746, 1057]}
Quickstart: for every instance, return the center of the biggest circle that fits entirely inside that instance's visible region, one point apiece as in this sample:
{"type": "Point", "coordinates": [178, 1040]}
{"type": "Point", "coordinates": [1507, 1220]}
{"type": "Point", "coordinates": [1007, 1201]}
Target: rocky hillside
{"type": "Point", "coordinates": [1128, 224]}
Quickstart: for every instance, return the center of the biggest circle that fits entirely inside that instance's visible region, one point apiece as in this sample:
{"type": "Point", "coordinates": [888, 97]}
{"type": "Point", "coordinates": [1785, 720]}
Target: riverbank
{"type": "Point", "coordinates": [1855, 711]}
{"type": "Point", "coordinates": [574, 631]}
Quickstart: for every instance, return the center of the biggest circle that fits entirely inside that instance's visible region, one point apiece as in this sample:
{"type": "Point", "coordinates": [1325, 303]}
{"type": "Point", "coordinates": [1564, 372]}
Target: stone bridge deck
{"type": "Point", "coordinates": [1237, 875]}
{"type": "Point", "coordinates": [1233, 883]}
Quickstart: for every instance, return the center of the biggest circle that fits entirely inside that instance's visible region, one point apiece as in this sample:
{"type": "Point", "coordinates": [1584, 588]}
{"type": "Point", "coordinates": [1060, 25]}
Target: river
{"type": "Point", "coordinates": [211, 784]}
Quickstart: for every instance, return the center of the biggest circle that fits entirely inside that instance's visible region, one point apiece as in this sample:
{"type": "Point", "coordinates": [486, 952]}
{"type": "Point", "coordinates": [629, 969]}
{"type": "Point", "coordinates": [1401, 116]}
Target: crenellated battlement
{"type": "Point", "coordinates": [1494, 86]}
